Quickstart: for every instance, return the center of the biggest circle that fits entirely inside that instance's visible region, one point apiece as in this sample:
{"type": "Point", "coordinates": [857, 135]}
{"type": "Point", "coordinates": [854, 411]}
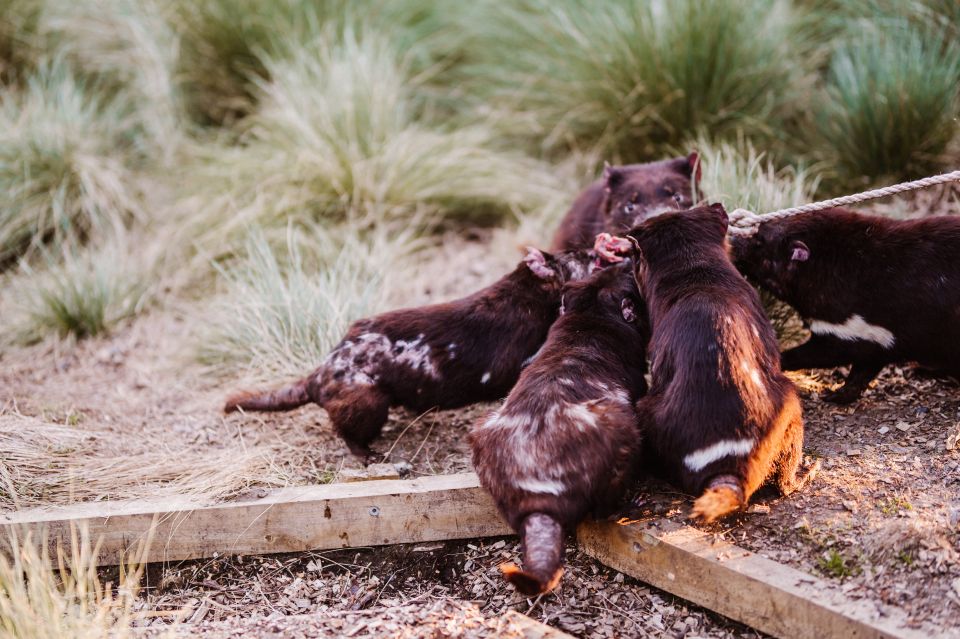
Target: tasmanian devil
{"type": "Point", "coordinates": [874, 291]}
{"type": "Point", "coordinates": [444, 355]}
{"type": "Point", "coordinates": [562, 445]}
{"type": "Point", "coordinates": [720, 418]}
{"type": "Point", "coordinates": [625, 196]}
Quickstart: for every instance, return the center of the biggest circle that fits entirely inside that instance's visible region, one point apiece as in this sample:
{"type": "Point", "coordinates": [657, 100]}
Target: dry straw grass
{"type": "Point", "coordinates": [52, 594]}
{"type": "Point", "coordinates": [46, 463]}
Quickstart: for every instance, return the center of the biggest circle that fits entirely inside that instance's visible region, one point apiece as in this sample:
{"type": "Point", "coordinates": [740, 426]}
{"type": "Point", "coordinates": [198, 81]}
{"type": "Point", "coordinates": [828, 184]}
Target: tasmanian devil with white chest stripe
{"type": "Point", "coordinates": [720, 418]}
{"type": "Point", "coordinates": [444, 355]}
{"type": "Point", "coordinates": [874, 291]}
{"type": "Point", "coordinates": [563, 444]}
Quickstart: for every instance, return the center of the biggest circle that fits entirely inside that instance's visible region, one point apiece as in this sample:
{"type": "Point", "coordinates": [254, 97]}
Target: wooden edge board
{"type": "Point", "coordinates": [734, 582]}
{"type": "Point", "coordinates": [531, 628]}
{"type": "Point", "coordinates": [737, 583]}
{"type": "Point", "coordinates": [369, 513]}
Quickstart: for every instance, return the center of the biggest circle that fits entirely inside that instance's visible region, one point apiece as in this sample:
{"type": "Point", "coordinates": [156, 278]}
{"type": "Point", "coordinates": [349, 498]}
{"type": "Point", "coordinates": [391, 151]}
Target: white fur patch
{"type": "Point", "coordinates": [620, 396]}
{"type": "Point", "coordinates": [582, 416]}
{"type": "Point", "coordinates": [753, 373]}
{"type": "Point", "coordinates": [527, 361]}
{"type": "Point", "coordinates": [549, 487]}
{"type": "Point", "coordinates": [485, 378]}
{"type": "Point", "coordinates": [699, 459]}
{"type": "Point", "coordinates": [855, 328]}
{"type": "Point", "coordinates": [375, 349]}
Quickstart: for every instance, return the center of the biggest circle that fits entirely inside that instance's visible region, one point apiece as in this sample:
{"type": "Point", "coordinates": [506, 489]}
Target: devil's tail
{"type": "Point", "coordinates": [542, 537]}
{"type": "Point", "coordinates": [286, 398]}
{"type": "Point", "coordinates": [722, 496]}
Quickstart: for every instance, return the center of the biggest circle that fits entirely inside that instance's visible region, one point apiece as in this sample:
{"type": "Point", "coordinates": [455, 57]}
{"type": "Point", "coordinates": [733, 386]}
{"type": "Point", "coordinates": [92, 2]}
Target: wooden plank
{"type": "Point", "coordinates": [737, 583]}
{"type": "Point", "coordinates": [531, 628]}
{"type": "Point", "coordinates": [369, 513]}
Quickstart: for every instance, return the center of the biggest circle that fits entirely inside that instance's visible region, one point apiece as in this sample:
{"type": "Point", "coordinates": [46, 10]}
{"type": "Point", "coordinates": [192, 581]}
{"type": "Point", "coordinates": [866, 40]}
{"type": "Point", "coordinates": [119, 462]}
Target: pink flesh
{"type": "Point", "coordinates": [610, 247]}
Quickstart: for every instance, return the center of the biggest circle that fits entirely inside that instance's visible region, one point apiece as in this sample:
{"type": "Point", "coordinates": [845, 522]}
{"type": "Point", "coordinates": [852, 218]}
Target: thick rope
{"type": "Point", "coordinates": [744, 222]}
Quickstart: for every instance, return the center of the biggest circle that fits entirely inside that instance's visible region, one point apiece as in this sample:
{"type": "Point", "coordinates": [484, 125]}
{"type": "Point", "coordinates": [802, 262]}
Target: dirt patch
{"type": "Point", "coordinates": [253, 592]}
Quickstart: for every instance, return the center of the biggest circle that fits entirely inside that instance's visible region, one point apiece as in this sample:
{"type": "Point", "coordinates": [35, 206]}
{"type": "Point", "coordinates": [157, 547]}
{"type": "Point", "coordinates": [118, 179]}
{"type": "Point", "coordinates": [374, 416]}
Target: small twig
{"type": "Point", "coordinates": [424, 442]}
{"type": "Point", "coordinates": [387, 454]}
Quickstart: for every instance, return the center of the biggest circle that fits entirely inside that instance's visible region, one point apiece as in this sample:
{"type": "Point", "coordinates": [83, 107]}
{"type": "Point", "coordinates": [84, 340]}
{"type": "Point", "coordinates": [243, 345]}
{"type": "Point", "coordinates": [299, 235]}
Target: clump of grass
{"type": "Point", "coordinates": [894, 505]}
{"type": "Point", "coordinates": [19, 24]}
{"type": "Point", "coordinates": [340, 128]}
{"type": "Point", "coordinates": [891, 104]}
{"type": "Point", "coordinates": [62, 173]}
{"type": "Point", "coordinates": [638, 77]}
{"type": "Point", "coordinates": [84, 293]}
{"type": "Point", "coordinates": [834, 564]}
{"type": "Point", "coordinates": [281, 311]}
{"type": "Point", "coordinates": [739, 176]}
{"type": "Point", "coordinates": [224, 42]}
{"type": "Point", "coordinates": [44, 596]}
{"type": "Point", "coordinates": [132, 49]}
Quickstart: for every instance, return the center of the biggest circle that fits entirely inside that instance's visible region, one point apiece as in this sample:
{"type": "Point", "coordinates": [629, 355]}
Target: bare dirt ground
{"type": "Point", "coordinates": [130, 416]}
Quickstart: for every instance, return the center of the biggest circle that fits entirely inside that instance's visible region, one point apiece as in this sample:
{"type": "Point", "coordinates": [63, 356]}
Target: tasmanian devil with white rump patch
{"type": "Point", "coordinates": [563, 443]}
{"type": "Point", "coordinates": [874, 291]}
{"type": "Point", "coordinates": [720, 418]}
{"type": "Point", "coordinates": [444, 355]}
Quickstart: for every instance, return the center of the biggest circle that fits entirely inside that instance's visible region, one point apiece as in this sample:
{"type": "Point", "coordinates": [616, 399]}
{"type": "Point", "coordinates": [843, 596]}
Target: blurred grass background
{"type": "Point", "coordinates": [277, 166]}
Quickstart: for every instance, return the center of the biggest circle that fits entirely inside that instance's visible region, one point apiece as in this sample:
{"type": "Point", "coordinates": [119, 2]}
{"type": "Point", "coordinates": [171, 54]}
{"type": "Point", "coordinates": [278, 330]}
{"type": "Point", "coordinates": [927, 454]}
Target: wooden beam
{"type": "Point", "coordinates": [369, 513]}
{"type": "Point", "coordinates": [531, 628]}
{"type": "Point", "coordinates": [737, 583]}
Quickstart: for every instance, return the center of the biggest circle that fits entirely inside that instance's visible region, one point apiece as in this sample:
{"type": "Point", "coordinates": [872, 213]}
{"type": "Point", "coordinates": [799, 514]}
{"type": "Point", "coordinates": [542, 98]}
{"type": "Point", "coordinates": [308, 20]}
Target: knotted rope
{"type": "Point", "coordinates": [744, 222]}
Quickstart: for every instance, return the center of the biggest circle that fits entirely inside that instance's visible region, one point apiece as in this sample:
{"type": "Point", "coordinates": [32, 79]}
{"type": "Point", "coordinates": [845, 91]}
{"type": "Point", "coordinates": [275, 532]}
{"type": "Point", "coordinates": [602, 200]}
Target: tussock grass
{"type": "Point", "coordinates": [80, 293]}
{"type": "Point", "coordinates": [340, 132]}
{"type": "Point", "coordinates": [62, 164]}
{"type": "Point", "coordinates": [892, 103]}
{"type": "Point", "coordinates": [133, 51]}
{"type": "Point", "coordinates": [636, 77]}
{"type": "Point", "coordinates": [225, 43]}
{"type": "Point", "coordinates": [740, 176]}
{"type": "Point", "coordinates": [282, 311]}
{"type": "Point", "coordinates": [48, 594]}
{"type": "Point", "coordinates": [19, 46]}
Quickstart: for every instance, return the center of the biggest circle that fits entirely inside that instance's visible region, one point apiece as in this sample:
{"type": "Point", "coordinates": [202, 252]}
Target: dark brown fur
{"type": "Point", "coordinates": [624, 197]}
{"type": "Point", "coordinates": [444, 355]}
{"type": "Point", "coordinates": [898, 276]}
{"type": "Point", "coordinates": [720, 416]}
{"type": "Point", "coordinates": [563, 443]}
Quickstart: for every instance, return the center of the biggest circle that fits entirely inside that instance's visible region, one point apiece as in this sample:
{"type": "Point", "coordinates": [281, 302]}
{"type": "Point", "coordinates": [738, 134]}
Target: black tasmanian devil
{"type": "Point", "coordinates": [720, 418]}
{"type": "Point", "coordinates": [625, 196]}
{"type": "Point", "coordinates": [444, 355]}
{"type": "Point", "coordinates": [563, 444]}
{"type": "Point", "coordinates": [873, 291]}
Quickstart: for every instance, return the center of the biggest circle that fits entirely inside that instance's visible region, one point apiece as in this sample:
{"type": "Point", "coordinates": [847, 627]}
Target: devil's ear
{"type": "Point", "coordinates": [612, 177]}
{"type": "Point", "coordinates": [628, 310]}
{"type": "Point", "coordinates": [720, 212]}
{"type": "Point", "coordinates": [799, 252]}
{"type": "Point", "coordinates": [540, 263]}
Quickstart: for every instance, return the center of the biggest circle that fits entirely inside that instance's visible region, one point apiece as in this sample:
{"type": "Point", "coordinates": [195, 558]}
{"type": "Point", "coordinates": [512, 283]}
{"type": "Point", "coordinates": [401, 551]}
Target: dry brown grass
{"type": "Point", "coordinates": [46, 463]}
{"type": "Point", "coordinates": [58, 593]}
